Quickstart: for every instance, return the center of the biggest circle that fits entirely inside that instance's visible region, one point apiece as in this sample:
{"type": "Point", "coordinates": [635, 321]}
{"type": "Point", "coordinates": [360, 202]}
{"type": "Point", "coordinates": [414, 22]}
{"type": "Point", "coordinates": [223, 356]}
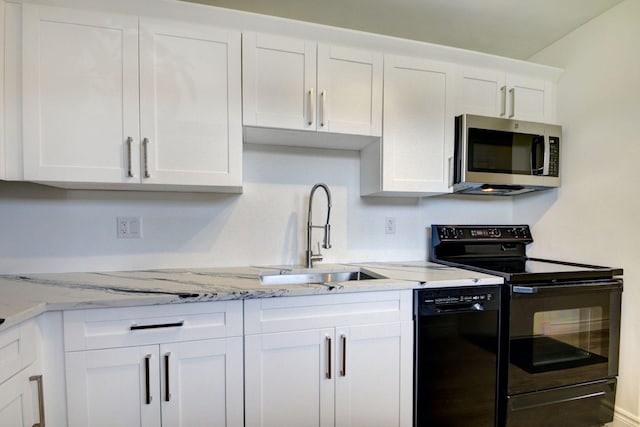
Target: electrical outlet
{"type": "Point", "coordinates": [390, 225]}
{"type": "Point", "coordinates": [129, 227]}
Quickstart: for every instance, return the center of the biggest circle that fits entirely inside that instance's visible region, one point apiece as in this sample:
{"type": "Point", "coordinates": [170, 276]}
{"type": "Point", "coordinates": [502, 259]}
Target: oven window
{"type": "Point", "coordinates": [568, 336]}
{"type": "Point", "coordinates": [563, 339]}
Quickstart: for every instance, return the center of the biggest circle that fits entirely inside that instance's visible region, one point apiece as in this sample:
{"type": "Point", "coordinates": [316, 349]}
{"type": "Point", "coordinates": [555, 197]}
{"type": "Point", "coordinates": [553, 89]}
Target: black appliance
{"type": "Point", "coordinates": [456, 356]}
{"type": "Point", "coordinates": [560, 326]}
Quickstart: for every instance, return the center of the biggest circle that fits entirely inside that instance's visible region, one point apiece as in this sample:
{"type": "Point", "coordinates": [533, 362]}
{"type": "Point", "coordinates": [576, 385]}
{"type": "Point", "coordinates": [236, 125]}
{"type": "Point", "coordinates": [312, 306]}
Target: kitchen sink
{"type": "Point", "coordinates": [321, 277]}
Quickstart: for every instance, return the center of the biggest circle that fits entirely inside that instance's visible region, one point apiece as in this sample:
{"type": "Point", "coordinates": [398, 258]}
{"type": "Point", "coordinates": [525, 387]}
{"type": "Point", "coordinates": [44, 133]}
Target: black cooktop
{"type": "Point", "coordinates": [501, 250]}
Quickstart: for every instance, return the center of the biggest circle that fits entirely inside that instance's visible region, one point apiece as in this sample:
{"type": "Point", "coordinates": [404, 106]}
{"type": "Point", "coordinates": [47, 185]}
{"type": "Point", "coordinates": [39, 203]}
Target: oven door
{"type": "Point", "coordinates": [563, 334]}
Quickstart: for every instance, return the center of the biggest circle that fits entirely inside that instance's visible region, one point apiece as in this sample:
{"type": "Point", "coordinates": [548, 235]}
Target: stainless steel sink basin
{"type": "Point", "coordinates": [301, 278]}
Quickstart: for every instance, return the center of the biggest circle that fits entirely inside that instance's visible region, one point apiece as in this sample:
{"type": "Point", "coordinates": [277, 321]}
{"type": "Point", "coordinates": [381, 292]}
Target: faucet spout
{"type": "Point", "coordinates": [326, 241]}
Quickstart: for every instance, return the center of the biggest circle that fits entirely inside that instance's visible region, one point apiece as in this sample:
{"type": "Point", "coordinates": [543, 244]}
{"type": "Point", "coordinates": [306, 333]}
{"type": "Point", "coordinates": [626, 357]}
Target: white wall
{"type": "Point", "coordinates": [593, 217]}
{"type": "Point", "coordinates": [46, 229]}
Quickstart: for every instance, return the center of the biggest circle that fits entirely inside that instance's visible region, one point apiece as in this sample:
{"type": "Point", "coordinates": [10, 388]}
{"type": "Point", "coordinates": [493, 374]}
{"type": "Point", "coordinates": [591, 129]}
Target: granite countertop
{"type": "Point", "coordinates": [25, 296]}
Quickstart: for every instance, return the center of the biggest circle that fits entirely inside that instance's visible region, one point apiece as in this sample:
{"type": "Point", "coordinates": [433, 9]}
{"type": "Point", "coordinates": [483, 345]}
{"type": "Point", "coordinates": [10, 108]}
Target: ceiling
{"type": "Point", "coordinates": [512, 28]}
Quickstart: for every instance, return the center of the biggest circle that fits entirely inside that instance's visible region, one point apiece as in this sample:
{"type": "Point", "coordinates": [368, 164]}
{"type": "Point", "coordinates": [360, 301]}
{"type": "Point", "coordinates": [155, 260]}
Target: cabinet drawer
{"type": "Point", "coordinates": [310, 312]}
{"type": "Point", "coordinates": [17, 349]}
{"type": "Point", "coordinates": [121, 327]}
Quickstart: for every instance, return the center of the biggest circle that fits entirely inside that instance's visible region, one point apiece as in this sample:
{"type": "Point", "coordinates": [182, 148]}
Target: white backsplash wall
{"type": "Point", "coordinates": [47, 229]}
{"type": "Point", "coordinates": [593, 216]}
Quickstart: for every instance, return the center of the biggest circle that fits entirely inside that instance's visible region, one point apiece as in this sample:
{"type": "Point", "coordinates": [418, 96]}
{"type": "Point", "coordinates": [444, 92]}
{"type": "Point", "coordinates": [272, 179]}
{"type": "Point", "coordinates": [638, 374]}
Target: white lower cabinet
{"type": "Point", "coordinates": [373, 376]}
{"type": "Point", "coordinates": [164, 381]}
{"type": "Point", "coordinates": [16, 402]}
{"type": "Point", "coordinates": [109, 387]}
{"type": "Point", "coordinates": [356, 374]}
{"type": "Point", "coordinates": [21, 377]}
{"type": "Point", "coordinates": [178, 384]}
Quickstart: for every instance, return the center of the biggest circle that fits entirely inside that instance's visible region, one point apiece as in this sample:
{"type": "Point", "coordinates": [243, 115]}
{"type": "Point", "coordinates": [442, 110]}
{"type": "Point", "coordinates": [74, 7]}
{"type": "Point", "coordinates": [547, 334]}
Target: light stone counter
{"type": "Point", "coordinates": [25, 296]}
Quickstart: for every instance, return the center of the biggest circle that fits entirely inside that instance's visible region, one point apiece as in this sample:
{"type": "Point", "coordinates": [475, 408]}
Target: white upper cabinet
{"type": "Point", "coordinates": [190, 116]}
{"type": "Point", "coordinates": [294, 84]}
{"type": "Point", "coordinates": [111, 100]}
{"type": "Point", "coordinates": [279, 82]}
{"type": "Point", "coordinates": [417, 143]}
{"type": "Point", "coordinates": [349, 91]}
{"type": "Point", "coordinates": [80, 94]}
{"type": "Point", "coordinates": [490, 92]}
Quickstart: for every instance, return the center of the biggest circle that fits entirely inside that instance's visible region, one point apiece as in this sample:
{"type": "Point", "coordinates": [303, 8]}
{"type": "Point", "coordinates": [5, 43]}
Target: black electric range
{"type": "Point", "coordinates": [501, 250]}
{"type": "Point", "coordinates": [559, 328]}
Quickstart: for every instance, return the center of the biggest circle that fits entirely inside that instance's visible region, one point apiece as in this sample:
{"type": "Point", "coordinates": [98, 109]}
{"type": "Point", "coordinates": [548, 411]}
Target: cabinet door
{"type": "Point", "coordinates": [287, 379]}
{"type": "Point", "coordinates": [16, 402]}
{"type": "Point", "coordinates": [529, 99]}
{"type": "Point", "coordinates": [279, 82]}
{"type": "Point", "coordinates": [374, 375]}
{"type": "Point", "coordinates": [113, 387]}
{"type": "Point", "coordinates": [80, 95]}
{"type": "Point", "coordinates": [482, 92]}
{"type": "Point", "coordinates": [202, 383]}
{"type": "Point", "coordinates": [417, 146]}
{"type": "Point", "coordinates": [349, 91]}
{"type": "Point", "coordinates": [190, 93]}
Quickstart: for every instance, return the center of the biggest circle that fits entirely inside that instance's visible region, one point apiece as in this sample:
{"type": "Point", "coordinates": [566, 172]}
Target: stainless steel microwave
{"type": "Point", "coordinates": [505, 156]}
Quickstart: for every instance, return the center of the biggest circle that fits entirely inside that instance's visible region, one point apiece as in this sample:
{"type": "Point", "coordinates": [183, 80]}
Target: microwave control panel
{"type": "Point", "coordinates": [554, 155]}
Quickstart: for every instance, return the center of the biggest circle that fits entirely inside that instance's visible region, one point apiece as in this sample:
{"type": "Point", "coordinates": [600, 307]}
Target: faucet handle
{"type": "Point", "coordinates": [319, 251]}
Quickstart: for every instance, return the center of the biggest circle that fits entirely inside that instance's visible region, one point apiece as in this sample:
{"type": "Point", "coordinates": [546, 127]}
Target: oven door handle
{"type": "Point", "coordinates": [524, 290]}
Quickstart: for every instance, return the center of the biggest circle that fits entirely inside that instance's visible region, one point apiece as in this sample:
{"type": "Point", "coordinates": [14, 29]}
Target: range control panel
{"type": "Point", "coordinates": [482, 233]}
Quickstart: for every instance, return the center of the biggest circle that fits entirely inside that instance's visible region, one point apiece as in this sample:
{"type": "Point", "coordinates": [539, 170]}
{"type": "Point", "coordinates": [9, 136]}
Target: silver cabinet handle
{"type": "Point", "coordinates": [310, 107]}
{"type": "Point", "coordinates": [343, 370]}
{"type": "Point", "coordinates": [503, 111]}
{"type": "Point", "coordinates": [512, 91]}
{"type": "Point", "coordinates": [167, 392]}
{"type": "Point", "coordinates": [38, 380]}
{"type": "Point", "coordinates": [323, 106]}
{"type": "Point", "coordinates": [145, 152]}
{"type": "Point", "coordinates": [147, 380]}
{"type": "Point", "coordinates": [329, 368]}
{"type": "Point", "coordinates": [450, 172]}
{"type": "Point", "coordinates": [129, 170]}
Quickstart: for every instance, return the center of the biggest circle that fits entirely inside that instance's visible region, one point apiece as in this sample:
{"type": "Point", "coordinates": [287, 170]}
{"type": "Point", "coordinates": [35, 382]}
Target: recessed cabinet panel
{"type": "Point", "coordinates": [349, 91]}
{"type": "Point", "coordinates": [190, 118]}
{"type": "Point", "coordinates": [383, 349]}
{"type": "Point", "coordinates": [482, 92]}
{"type": "Point", "coordinates": [418, 133]}
{"type": "Point", "coordinates": [286, 379]}
{"type": "Point", "coordinates": [16, 402]}
{"type": "Point", "coordinates": [530, 99]}
{"type": "Point", "coordinates": [202, 380]}
{"type": "Point", "coordinates": [114, 387]}
{"type": "Point", "coordinates": [279, 82]}
{"type": "Point", "coordinates": [80, 94]}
